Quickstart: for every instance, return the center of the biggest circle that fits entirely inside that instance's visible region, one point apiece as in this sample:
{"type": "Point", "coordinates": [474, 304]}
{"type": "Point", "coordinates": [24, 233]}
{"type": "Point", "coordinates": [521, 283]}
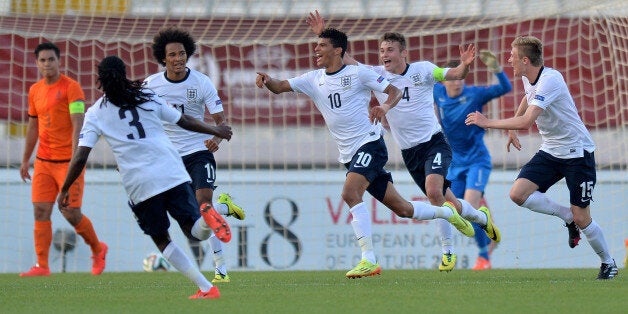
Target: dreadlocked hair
{"type": "Point", "coordinates": [118, 89]}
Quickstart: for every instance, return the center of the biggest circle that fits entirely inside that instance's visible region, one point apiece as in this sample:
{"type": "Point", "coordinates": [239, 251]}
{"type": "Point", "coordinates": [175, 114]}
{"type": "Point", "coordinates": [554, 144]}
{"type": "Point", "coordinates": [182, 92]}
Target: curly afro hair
{"type": "Point", "coordinates": [172, 35]}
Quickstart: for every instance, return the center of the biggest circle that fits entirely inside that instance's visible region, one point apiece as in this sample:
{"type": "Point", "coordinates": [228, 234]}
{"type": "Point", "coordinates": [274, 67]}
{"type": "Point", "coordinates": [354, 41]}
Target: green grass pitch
{"type": "Point", "coordinates": [327, 292]}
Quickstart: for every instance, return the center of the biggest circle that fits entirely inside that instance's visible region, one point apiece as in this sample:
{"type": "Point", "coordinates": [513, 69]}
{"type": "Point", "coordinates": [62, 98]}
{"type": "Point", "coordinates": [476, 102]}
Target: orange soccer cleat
{"type": "Point", "coordinates": [98, 264]}
{"type": "Point", "coordinates": [216, 222]}
{"type": "Point", "coordinates": [213, 293]}
{"type": "Point", "coordinates": [36, 271]}
{"type": "Point", "coordinates": [482, 264]}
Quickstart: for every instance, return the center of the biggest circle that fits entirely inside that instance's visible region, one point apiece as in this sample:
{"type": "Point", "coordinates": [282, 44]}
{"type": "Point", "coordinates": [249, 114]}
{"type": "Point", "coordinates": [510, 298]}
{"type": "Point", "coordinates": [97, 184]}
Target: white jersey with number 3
{"type": "Point", "coordinates": [148, 162]}
{"type": "Point", "coordinates": [563, 133]}
{"type": "Point", "coordinates": [343, 99]}
{"type": "Point", "coordinates": [190, 96]}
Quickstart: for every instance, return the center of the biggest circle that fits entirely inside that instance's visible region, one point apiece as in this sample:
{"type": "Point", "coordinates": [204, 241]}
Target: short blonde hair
{"type": "Point", "coordinates": [530, 47]}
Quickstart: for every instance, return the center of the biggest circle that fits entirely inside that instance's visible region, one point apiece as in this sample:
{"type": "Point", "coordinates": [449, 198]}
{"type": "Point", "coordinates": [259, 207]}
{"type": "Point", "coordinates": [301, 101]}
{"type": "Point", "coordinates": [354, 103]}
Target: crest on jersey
{"type": "Point", "coordinates": [416, 79]}
{"type": "Point", "coordinates": [192, 93]}
{"type": "Point", "coordinates": [345, 81]}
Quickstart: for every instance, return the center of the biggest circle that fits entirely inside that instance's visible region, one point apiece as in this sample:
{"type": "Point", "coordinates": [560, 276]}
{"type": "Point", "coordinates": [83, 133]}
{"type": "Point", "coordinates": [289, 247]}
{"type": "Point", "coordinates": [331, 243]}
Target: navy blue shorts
{"type": "Point", "coordinates": [201, 166]}
{"type": "Point", "coordinates": [431, 157]}
{"type": "Point", "coordinates": [179, 202]}
{"type": "Point", "coordinates": [369, 161]}
{"type": "Point", "coordinates": [579, 173]}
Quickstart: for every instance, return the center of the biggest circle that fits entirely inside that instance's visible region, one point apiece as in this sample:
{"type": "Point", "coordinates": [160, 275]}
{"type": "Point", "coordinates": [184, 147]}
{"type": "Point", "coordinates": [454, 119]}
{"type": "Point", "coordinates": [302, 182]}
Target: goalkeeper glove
{"type": "Point", "coordinates": [490, 60]}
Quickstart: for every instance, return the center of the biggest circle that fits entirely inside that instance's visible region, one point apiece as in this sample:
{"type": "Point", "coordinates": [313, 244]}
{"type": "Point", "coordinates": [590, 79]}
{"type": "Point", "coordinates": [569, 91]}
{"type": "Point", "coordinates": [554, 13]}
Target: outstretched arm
{"type": "Point", "coordinates": [490, 60]}
{"type": "Point", "coordinates": [273, 85]}
{"type": "Point", "coordinates": [316, 22]}
{"type": "Point", "coordinates": [467, 55]}
{"type": "Point", "coordinates": [378, 112]}
{"type": "Point", "coordinates": [523, 119]}
{"type": "Point", "coordinates": [193, 124]}
{"type": "Point", "coordinates": [317, 25]}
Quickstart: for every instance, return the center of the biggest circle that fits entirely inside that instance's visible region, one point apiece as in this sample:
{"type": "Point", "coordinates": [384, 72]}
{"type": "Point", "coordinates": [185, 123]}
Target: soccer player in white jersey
{"type": "Point", "coordinates": [190, 92]}
{"type": "Point", "coordinates": [566, 150]}
{"type": "Point", "coordinates": [416, 129]}
{"type": "Point", "coordinates": [129, 117]}
{"type": "Point", "coordinates": [342, 94]}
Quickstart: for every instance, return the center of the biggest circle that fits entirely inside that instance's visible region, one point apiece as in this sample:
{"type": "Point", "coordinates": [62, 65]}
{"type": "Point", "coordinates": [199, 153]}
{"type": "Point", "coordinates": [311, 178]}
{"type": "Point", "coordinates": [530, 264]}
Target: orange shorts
{"type": "Point", "coordinates": [48, 178]}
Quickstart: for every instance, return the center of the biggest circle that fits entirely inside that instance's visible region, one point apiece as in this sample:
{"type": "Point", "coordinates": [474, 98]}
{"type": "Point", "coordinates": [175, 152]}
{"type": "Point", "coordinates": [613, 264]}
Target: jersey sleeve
{"type": "Point", "coordinates": [75, 92]}
{"type": "Point", "coordinates": [167, 113]}
{"type": "Point", "coordinates": [32, 110]}
{"type": "Point", "coordinates": [90, 132]}
{"type": "Point", "coordinates": [372, 79]}
{"type": "Point", "coordinates": [212, 100]}
{"type": "Point", "coordinates": [546, 92]}
{"type": "Point", "coordinates": [303, 83]}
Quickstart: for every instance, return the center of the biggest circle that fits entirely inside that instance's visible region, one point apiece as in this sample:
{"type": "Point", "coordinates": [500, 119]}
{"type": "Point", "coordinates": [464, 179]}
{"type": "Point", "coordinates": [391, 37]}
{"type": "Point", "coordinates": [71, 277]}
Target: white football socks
{"type": "Point", "coordinates": [471, 214]}
{"type": "Point", "coordinates": [201, 230]}
{"type": "Point", "coordinates": [540, 203]}
{"type": "Point", "coordinates": [361, 224]}
{"type": "Point", "coordinates": [424, 211]}
{"type": "Point", "coordinates": [182, 263]}
{"type": "Point", "coordinates": [222, 209]}
{"type": "Point", "coordinates": [445, 229]}
{"type": "Point", "coordinates": [219, 259]}
{"type": "Point", "coordinates": [596, 239]}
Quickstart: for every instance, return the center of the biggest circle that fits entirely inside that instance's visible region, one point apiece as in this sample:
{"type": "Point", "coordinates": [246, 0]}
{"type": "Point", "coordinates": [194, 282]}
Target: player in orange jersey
{"type": "Point", "coordinates": [56, 109]}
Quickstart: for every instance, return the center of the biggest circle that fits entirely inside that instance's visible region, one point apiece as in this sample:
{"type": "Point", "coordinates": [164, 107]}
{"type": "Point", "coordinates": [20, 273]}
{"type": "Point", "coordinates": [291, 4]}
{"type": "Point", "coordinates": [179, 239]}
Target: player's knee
{"type": "Point", "coordinates": [351, 197]}
{"type": "Point", "coordinates": [581, 217]}
{"type": "Point", "coordinates": [517, 198]}
{"type": "Point", "coordinates": [435, 196]}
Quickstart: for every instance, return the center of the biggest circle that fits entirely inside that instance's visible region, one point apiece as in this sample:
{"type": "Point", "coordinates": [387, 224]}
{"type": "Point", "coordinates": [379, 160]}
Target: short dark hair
{"type": "Point", "coordinates": [172, 35]}
{"type": "Point", "coordinates": [337, 38]}
{"type": "Point", "coordinates": [395, 37]}
{"type": "Point", "coordinates": [47, 46]}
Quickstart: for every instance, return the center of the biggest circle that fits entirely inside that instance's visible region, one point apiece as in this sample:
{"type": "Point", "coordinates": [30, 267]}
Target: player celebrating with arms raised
{"type": "Point", "coordinates": [342, 94]}
{"type": "Point", "coordinates": [414, 126]}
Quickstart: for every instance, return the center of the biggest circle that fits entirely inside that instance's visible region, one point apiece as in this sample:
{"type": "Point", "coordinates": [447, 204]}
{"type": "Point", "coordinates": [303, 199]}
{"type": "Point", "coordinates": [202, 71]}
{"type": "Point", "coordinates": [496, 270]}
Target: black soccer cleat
{"type": "Point", "coordinates": [574, 234]}
{"type": "Point", "coordinates": [608, 271]}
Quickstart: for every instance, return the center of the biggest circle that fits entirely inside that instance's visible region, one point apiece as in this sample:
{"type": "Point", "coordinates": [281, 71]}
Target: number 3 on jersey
{"type": "Point", "coordinates": [135, 122]}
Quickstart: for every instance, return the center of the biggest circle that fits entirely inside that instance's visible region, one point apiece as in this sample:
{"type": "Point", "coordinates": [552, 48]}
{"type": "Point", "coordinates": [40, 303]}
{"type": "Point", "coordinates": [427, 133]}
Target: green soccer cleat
{"type": "Point", "coordinates": [219, 278]}
{"type": "Point", "coordinates": [460, 223]}
{"type": "Point", "coordinates": [364, 269]}
{"type": "Point", "coordinates": [491, 230]}
{"type": "Point", "coordinates": [234, 210]}
{"type": "Point", "coordinates": [448, 262]}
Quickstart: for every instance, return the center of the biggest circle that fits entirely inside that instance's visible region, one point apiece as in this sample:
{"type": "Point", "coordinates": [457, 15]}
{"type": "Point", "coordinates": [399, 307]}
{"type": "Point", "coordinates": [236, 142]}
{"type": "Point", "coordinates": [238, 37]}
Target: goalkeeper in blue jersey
{"type": "Point", "coordinates": [471, 163]}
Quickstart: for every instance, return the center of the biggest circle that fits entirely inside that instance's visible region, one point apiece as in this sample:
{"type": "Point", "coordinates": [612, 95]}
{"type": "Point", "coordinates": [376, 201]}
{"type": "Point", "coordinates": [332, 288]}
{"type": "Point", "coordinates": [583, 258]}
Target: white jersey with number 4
{"type": "Point", "coordinates": [190, 96]}
{"type": "Point", "coordinates": [563, 133]}
{"type": "Point", "coordinates": [148, 162]}
{"type": "Point", "coordinates": [413, 121]}
{"type": "Point", "coordinates": [343, 99]}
